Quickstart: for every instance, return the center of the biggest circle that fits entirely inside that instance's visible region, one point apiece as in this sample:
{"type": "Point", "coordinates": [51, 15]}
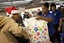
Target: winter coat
{"type": "Point", "coordinates": [8, 28]}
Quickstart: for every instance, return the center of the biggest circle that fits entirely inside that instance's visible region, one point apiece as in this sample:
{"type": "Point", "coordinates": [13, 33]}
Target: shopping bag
{"type": "Point", "coordinates": [38, 30]}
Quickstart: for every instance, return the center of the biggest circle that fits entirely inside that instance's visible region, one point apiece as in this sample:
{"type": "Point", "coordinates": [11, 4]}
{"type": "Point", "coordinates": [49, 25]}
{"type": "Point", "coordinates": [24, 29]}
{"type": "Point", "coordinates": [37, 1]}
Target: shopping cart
{"type": "Point", "coordinates": [62, 37]}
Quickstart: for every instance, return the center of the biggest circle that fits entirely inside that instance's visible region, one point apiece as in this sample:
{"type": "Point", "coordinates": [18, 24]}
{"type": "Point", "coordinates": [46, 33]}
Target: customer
{"type": "Point", "coordinates": [47, 16]}
{"type": "Point", "coordinates": [26, 15]}
{"type": "Point", "coordinates": [39, 12]}
{"type": "Point", "coordinates": [57, 22]}
{"type": "Point", "coordinates": [16, 16]}
{"type": "Point", "coordinates": [8, 29]}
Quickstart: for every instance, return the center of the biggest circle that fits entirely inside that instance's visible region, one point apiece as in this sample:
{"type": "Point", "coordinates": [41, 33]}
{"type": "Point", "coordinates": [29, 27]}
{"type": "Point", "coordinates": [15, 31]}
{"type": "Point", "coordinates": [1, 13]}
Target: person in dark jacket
{"type": "Point", "coordinates": [26, 15]}
{"type": "Point", "coordinates": [39, 12]}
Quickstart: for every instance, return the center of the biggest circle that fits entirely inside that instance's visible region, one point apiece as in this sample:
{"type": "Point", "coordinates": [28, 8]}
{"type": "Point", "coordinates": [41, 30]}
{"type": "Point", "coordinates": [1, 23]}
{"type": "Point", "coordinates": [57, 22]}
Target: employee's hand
{"type": "Point", "coordinates": [59, 29]}
{"type": "Point", "coordinates": [38, 17]}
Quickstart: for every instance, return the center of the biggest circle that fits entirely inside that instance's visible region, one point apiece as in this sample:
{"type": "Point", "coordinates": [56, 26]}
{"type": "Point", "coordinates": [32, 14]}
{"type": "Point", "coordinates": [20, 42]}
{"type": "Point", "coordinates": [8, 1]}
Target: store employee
{"type": "Point", "coordinates": [47, 16]}
{"type": "Point", "coordinates": [57, 22]}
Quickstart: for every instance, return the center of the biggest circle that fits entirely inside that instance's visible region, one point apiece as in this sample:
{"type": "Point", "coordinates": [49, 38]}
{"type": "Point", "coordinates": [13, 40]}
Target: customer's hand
{"type": "Point", "coordinates": [25, 34]}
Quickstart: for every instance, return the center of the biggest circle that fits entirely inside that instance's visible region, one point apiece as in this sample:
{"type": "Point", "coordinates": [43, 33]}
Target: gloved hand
{"type": "Point", "coordinates": [25, 33]}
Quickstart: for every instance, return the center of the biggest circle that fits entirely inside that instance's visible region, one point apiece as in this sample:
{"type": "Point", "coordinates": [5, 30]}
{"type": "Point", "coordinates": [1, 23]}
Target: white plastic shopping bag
{"type": "Point", "coordinates": [38, 30]}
